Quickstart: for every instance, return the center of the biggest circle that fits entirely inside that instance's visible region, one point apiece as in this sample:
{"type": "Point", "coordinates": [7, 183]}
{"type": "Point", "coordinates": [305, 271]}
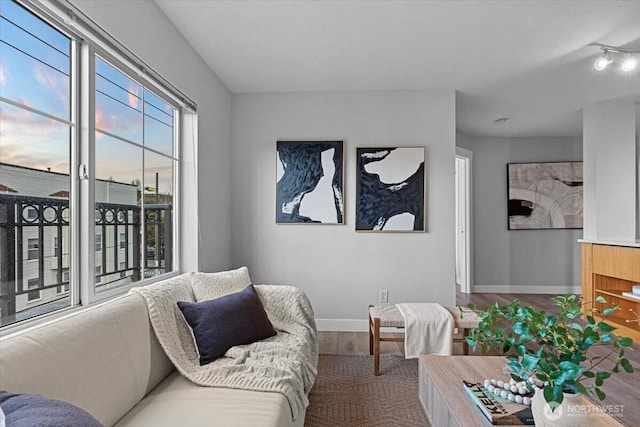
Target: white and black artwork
{"type": "Point", "coordinates": [390, 189]}
{"type": "Point", "coordinates": [309, 182]}
{"type": "Point", "coordinates": [545, 195]}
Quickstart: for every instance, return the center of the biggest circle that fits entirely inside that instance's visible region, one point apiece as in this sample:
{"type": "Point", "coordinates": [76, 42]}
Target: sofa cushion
{"type": "Point", "coordinates": [28, 410]}
{"type": "Point", "coordinates": [224, 322]}
{"type": "Point", "coordinates": [179, 402]}
{"type": "Point", "coordinates": [215, 285]}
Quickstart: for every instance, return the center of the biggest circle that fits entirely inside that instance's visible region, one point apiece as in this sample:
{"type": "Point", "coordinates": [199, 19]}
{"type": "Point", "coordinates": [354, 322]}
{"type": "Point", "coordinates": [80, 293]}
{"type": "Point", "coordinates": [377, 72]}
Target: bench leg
{"type": "Point", "coordinates": [370, 334]}
{"type": "Point", "coordinates": [376, 346]}
{"type": "Point", "coordinates": [465, 345]}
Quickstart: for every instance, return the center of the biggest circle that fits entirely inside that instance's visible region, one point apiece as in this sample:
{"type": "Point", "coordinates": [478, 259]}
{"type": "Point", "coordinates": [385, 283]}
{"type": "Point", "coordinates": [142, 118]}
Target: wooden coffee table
{"type": "Point", "coordinates": [445, 401]}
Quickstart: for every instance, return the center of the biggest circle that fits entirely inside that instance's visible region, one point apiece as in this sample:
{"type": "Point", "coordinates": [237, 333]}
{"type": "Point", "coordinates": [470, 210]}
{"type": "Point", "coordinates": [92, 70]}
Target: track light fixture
{"type": "Point", "coordinates": [628, 64]}
{"type": "Point", "coordinates": [602, 61]}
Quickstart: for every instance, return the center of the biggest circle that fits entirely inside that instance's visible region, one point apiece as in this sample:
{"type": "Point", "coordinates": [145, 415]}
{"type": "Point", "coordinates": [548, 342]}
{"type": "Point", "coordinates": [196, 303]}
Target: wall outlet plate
{"type": "Point", "coordinates": [384, 295]}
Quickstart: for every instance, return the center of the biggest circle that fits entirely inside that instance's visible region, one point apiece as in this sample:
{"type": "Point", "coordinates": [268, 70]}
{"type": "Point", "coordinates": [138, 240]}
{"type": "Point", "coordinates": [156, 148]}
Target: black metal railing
{"type": "Point", "coordinates": [42, 225]}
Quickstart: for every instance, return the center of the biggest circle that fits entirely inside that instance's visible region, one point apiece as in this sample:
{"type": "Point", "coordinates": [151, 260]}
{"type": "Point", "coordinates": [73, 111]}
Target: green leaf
{"type": "Point", "coordinates": [600, 299]}
{"type": "Point", "coordinates": [625, 342]}
{"type": "Point", "coordinates": [569, 371]}
{"type": "Point", "coordinates": [626, 365]}
{"type": "Point", "coordinates": [553, 394]}
{"type": "Point", "coordinates": [601, 394]}
{"type": "Point", "coordinates": [605, 327]}
{"type": "Point", "coordinates": [601, 376]}
{"type": "Point", "coordinates": [519, 328]}
{"type": "Point", "coordinates": [608, 311]}
{"type": "Point", "coordinates": [581, 389]}
{"type": "Point", "coordinates": [525, 339]}
{"type": "Point", "coordinates": [591, 320]}
{"type": "Point", "coordinates": [529, 362]}
{"type": "Point", "coordinates": [589, 374]}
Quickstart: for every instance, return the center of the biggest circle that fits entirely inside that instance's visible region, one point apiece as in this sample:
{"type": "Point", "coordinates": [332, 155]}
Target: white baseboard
{"type": "Point", "coordinates": [537, 289]}
{"type": "Point", "coordinates": [342, 325]}
{"type": "Point", "coordinates": [361, 325]}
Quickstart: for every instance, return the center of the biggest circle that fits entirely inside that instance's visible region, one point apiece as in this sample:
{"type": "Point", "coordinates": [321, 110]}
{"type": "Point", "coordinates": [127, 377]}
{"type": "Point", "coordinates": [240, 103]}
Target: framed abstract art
{"type": "Point", "coordinates": [309, 182]}
{"type": "Point", "coordinates": [545, 195]}
{"type": "Point", "coordinates": [390, 189]}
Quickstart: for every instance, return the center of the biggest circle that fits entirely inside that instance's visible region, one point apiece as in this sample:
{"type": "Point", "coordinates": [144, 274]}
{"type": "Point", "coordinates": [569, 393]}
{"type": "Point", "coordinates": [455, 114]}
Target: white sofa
{"type": "Point", "coordinates": [107, 360]}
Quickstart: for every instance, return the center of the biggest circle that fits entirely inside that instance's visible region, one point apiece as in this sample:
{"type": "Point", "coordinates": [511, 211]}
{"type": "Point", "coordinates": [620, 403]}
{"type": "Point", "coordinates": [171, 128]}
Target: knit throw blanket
{"type": "Point", "coordinates": [428, 329]}
{"type": "Point", "coordinates": [286, 363]}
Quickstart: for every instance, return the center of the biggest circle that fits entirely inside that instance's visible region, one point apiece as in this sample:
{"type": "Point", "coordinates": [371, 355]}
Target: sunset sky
{"type": "Point", "coordinates": [35, 71]}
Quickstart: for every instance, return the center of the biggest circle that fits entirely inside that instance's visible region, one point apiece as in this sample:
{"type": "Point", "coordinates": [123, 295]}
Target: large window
{"type": "Point", "coordinates": [51, 77]}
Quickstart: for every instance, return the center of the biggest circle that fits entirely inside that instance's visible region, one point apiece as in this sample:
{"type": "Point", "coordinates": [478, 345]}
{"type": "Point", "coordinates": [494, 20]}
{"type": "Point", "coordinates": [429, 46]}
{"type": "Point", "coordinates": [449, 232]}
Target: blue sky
{"type": "Point", "coordinates": [35, 71]}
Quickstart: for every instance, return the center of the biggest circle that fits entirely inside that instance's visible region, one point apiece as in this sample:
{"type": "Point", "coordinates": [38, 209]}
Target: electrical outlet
{"type": "Point", "coordinates": [384, 295]}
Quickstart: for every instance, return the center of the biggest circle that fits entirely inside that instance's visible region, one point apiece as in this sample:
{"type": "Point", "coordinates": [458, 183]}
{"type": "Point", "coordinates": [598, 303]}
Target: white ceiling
{"type": "Point", "coordinates": [531, 61]}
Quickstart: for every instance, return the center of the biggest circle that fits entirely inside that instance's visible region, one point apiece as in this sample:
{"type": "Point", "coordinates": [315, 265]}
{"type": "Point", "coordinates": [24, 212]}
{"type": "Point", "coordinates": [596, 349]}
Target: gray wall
{"type": "Point", "coordinates": [610, 168]}
{"type": "Point", "coordinates": [341, 270]}
{"type": "Point", "coordinates": [528, 261]}
{"type": "Point", "coordinates": [145, 30]}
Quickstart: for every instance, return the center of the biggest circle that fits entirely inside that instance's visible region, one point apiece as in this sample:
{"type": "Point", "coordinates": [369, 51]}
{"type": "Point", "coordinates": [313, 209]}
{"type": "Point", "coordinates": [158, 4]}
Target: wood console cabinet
{"type": "Point", "coordinates": [608, 271]}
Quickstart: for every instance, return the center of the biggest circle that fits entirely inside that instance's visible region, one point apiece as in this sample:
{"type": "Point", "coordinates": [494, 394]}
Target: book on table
{"type": "Point", "coordinates": [497, 410]}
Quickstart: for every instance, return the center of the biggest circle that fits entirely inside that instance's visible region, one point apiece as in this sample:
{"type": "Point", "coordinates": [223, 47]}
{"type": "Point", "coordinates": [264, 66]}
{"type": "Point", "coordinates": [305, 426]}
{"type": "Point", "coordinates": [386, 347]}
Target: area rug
{"type": "Point", "coordinates": [347, 394]}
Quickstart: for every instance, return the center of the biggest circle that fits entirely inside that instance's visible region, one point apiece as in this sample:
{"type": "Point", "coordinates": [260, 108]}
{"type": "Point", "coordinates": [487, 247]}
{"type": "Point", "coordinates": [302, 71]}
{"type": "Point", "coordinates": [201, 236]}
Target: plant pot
{"type": "Point", "coordinates": [567, 414]}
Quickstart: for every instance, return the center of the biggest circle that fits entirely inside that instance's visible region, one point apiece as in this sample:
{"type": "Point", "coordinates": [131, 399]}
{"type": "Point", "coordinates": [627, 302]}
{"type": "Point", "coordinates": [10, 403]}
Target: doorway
{"type": "Point", "coordinates": [463, 219]}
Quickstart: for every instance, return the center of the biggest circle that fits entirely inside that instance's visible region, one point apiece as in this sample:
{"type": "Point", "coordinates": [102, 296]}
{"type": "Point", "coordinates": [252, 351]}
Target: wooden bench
{"type": "Point", "coordinates": [388, 316]}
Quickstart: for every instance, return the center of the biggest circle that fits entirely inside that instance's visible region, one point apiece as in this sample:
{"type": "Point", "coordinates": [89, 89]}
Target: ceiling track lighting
{"type": "Point", "coordinates": [629, 63]}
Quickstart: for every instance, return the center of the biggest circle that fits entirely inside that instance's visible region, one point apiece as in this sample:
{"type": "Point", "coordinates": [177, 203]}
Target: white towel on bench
{"type": "Point", "coordinates": [428, 329]}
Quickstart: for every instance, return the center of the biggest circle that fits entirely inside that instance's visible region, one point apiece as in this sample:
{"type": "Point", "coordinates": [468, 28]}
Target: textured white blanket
{"type": "Point", "coordinates": [286, 363]}
{"type": "Point", "coordinates": [428, 329]}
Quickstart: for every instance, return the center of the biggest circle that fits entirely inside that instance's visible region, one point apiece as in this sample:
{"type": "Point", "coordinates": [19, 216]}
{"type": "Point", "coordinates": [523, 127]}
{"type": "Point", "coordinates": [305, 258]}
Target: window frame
{"type": "Point", "coordinates": [122, 240]}
{"type": "Point", "coordinates": [36, 281]}
{"type": "Point", "coordinates": [98, 244]}
{"type": "Point", "coordinates": [87, 41]}
{"type": "Point", "coordinates": [87, 156]}
{"type": "Point", "coordinates": [33, 253]}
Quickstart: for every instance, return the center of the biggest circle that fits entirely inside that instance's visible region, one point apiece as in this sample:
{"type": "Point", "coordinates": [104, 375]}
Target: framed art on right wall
{"type": "Point", "coordinates": [545, 195]}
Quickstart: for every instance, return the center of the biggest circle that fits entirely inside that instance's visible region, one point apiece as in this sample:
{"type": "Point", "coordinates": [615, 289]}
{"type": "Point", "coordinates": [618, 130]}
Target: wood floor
{"type": "Point", "coordinates": [621, 389]}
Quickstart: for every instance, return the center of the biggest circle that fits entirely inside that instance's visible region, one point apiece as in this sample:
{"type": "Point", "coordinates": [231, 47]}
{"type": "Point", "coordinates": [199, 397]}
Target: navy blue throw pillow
{"type": "Point", "coordinates": [29, 410]}
{"type": "Point", "coordinates": [224, 322]}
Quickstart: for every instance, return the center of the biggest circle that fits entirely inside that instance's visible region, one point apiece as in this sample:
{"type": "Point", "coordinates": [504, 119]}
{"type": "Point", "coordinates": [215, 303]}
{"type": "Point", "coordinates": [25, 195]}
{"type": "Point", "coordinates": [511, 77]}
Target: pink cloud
{"type": "Point", "coordinates": [26, 141]}
{"type": "Point", "coordinates": [16, 121]}
{"type": "Point", "coordinates": [117, 121]}
{"type": "Point", "coordinates": [134, 93]}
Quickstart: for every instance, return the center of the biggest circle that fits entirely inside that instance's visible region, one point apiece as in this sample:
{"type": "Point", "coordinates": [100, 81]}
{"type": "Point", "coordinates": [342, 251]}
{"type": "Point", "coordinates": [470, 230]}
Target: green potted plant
{"type": "Point", "coordinates": [554, 348]}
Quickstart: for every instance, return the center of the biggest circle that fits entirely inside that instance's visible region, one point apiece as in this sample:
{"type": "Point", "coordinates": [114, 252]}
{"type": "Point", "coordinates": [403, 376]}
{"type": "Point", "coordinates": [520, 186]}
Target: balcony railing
{"type": "Point", "coordinates": [34, 237]}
